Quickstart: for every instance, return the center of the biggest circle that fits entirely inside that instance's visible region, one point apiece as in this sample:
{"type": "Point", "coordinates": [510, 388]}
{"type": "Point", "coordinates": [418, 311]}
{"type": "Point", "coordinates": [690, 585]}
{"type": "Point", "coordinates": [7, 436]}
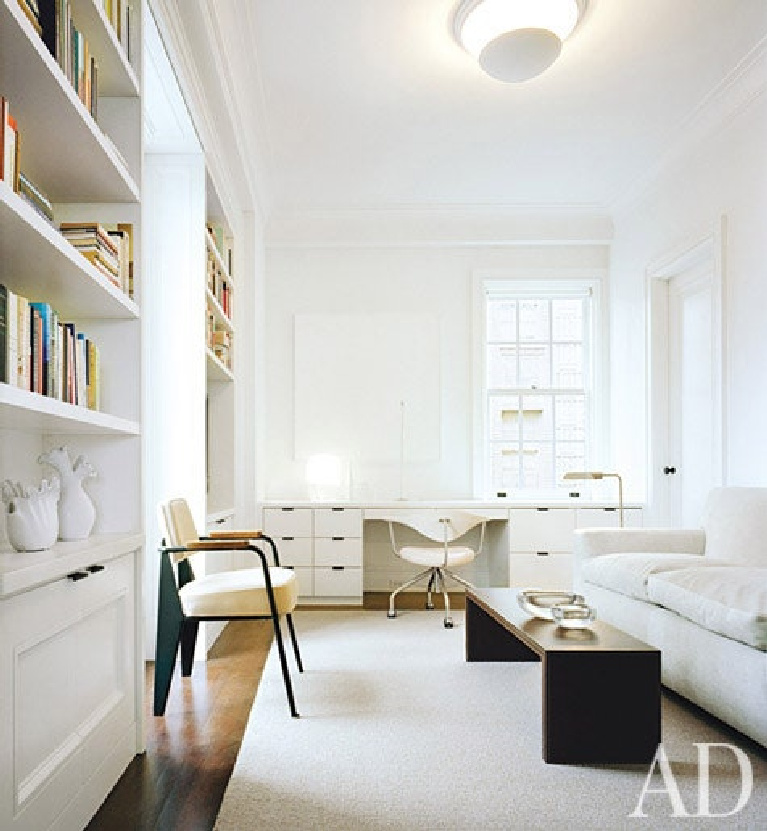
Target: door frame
{"type": "Point", "coordinates": [709, 251]}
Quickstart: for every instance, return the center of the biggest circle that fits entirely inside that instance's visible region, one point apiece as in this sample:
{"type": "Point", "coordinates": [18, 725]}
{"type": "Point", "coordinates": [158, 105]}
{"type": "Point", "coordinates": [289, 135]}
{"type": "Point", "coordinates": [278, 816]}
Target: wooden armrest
{"type": "Point", "coordinates": [217, 545]}
{"type": "Point", "coordinates": [236, 535]}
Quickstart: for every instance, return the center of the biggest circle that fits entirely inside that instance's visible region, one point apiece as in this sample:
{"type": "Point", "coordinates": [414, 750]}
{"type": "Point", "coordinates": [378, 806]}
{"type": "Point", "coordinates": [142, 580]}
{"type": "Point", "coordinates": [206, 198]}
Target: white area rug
{"type": "Point", "coordinates": [397, 731]}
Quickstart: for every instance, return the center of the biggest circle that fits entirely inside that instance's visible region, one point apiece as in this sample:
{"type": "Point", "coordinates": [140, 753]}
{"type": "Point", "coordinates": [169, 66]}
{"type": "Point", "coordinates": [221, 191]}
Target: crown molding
{"type": "Point", "coordinates": [733, 96]}
{"type": "Point", "coordinates": [439, 226]}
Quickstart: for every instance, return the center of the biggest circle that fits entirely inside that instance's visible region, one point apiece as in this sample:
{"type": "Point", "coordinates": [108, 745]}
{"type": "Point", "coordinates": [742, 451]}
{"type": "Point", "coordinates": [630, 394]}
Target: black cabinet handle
{"type": "Point", "coordinates": [338, 509]}
{"type": "Point", "coordinates": [541, 509]}
{"type": "Point", "coordinates": [541, 553]}
{"type": "Point", "coordinates": [669, 470]}
{"type": "Point", "coordinates": [287, 509]}
{"type": "Point", "coordinates": [338, 538]}
{"type": "Point", "coordinates": [94, 568]}
{"type": "Point", "coordinates": [74, 576]}
{"type": "Point", "coordinates": [337, 568]}
{"type": "Point", "coordinates": [287, 538]}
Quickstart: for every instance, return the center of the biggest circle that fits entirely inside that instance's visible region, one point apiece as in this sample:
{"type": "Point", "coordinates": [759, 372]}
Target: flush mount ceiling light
{"type": "Point", "coordinates": [515, 40]}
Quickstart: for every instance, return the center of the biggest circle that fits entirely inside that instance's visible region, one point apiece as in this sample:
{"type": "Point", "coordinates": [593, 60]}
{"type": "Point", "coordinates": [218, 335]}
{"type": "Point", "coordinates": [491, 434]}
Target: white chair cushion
{"type": "Point", "coordinates": [729, 600]}
{"type": "Point", "coordinates": [628, 573]}
{"type": "Point", "coordinates": [456, 556]}
{"type": "Point", "coordinates": [240, 593]}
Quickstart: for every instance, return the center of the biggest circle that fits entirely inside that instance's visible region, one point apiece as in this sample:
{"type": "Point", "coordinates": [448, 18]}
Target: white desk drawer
{"type": "Point", "coordinates": [341, 581]}
{"type": "Point", "coordinates": [305, 580]}
{"type": "Point", "coordinates": [340, 551]}
{"type": "Point", "coordinates": [338, 522]}
{"type": "Point", "coordinates": [294, 551]}
{"type": "Point", "coordinates": [533, 529]}
{"type": "Point", "coordinates": [536, 571]}
{"type": "Point", "coordinates": [288, 522]}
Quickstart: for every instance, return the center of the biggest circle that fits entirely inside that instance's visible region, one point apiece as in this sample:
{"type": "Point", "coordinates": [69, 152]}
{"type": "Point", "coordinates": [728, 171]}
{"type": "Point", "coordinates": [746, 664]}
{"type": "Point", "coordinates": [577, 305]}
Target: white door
{"type": "Point", "coordinates": [691, 378]}
{"type": "Point", "coordinates": [686, 385]}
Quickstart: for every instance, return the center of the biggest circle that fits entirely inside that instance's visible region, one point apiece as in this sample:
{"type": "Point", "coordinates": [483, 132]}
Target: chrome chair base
{"type": "Point", "coordinates": [436, 582]}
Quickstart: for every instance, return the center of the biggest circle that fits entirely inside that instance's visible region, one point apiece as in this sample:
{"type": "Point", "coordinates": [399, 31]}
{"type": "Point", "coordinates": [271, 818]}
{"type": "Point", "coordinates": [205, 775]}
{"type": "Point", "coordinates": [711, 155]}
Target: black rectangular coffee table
{"type": "Point", "coordinates": [601, 687]}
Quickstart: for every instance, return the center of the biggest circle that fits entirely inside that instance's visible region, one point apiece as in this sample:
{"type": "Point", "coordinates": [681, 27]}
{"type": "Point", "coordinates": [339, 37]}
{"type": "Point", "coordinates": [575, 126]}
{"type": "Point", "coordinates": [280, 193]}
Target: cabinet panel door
{"type": "Point", "coordinates": [338, 582]}
{"type": "Point", "coordinates": [68, 656]}
{"type": "Point", "coordinates": [288, 522]}
{"type": "Point", "coordinates": [337, 522]}
{"type": "Point", "coordinates": [534, 571]}
{"type": "Point", "coordinates": [338, 552]}
{"type": "Point", "coordinates": [534, 529]}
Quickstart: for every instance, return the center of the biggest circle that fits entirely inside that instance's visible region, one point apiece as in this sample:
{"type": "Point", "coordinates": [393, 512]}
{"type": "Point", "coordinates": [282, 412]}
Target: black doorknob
{"type": "Point", "coordinates": [668, 470]}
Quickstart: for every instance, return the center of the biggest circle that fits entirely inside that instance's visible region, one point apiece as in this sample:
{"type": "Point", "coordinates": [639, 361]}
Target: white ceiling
{"type": "Point", "coordinates": [372, 104]}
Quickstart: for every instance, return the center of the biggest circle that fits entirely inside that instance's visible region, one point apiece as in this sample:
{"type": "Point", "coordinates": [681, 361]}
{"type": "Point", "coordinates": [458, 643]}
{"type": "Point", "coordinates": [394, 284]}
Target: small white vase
{"type": "Point", "coordinates": [31, 515]}
{"type": "Point", "coordinates": [76, 512]}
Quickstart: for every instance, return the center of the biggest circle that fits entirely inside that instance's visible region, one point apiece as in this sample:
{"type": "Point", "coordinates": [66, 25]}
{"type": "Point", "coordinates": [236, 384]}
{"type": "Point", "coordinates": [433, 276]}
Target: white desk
{"type": "Point", "coordinates": [341, 549]}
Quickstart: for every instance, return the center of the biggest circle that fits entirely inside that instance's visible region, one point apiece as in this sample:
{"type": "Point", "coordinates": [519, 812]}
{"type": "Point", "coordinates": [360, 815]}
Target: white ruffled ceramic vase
{"type": "Point", "coordinates": [76, 512]}
{"type": "Point", "coordinates": [31, 515]}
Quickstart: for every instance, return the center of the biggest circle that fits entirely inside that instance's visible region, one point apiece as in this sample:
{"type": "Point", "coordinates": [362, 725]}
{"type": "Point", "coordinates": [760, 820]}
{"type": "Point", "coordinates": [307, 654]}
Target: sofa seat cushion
{"type": "Point", "coordinates": [628, 573]}
{"type": "Point", "coordinates": [729, 600]}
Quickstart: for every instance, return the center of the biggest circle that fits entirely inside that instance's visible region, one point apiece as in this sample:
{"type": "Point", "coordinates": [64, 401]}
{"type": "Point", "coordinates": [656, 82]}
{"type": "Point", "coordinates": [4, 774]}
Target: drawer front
{"type": "Point", "coordinates": [342, 551]}
{"type": "Point", "coordinates": [305, 580]}
{"type": "Point", "coordinates": [338, 522]}
{"type": "Point", "coordinates": [294, 551]}
{"type": "Point", "coordinates": [608, 518]}
{"type": "Point", "coordinates": [541, 571]}
{"type": "Point", "coordinates": [531, 529]}
{"type": "Point", "coordinates": [288, 522]}
{"type": "Point", "coordinates": [338, 582]}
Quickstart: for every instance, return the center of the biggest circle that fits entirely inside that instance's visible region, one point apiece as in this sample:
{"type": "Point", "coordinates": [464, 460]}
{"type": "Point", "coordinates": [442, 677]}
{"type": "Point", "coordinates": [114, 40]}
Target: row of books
{"type": "Point", "coordinates": [218, 340]}
{"type": "Point", "coordinates": [222, 242]}
{"type": "Point", "coordinates": [219, 285]}
{"type": "Point", "coordinates": [42, 354]}
{"type": "Point", "coordinates": [119, 13]}
{"type": "Point", "coordinates": [109, 248]}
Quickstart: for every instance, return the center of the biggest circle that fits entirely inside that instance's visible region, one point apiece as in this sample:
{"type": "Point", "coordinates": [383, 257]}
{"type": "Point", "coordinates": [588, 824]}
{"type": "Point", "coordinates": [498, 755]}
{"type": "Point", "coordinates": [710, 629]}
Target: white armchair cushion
{"type": "Point", "coordinates": [628, 572]}
{"type": "Point", "coordinates": [729, 600]}
{"type": "Point", "coordinates": [435, 556]}
{"type": "Point", "coordinates": [239, 593]}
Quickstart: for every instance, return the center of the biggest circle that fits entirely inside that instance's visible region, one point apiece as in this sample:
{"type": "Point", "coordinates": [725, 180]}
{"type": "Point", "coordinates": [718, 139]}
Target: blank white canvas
{"type": "Point", "coordinates": [360, 379]}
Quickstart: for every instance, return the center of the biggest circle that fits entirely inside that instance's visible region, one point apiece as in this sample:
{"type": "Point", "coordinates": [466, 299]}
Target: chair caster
{"type": "Point", "coordinates": [449, 623]}
{"type": "Point", "coordinates": [391, 614]}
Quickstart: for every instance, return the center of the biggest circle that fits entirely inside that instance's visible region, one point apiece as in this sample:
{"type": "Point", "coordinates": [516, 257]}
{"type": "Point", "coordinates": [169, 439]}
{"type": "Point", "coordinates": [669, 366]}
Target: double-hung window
{"type": "Point", "coordinates": [539, 402]}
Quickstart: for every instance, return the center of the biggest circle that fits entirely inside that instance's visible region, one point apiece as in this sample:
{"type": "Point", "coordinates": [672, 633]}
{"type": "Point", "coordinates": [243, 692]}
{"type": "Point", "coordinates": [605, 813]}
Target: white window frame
{"type": "Point", "coordinates": [539, 283]}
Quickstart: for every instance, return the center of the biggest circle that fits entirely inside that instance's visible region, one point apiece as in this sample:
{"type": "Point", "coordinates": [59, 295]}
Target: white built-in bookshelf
{"type": "Point", "coordinates": [221, 367]}
{"type": "Point", "coordinates": [71, 646]}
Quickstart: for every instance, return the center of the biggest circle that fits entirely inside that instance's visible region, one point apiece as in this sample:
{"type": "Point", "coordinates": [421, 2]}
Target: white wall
{"type": "Point", "coordinates": [363, 279]}
{"type": "Point", "coordinates": [721, 175]}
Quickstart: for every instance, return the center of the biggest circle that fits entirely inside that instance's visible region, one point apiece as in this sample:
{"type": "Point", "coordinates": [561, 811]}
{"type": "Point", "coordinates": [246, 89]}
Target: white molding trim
{"type": "Point", "coordinates": [725, 102]}
{"type": "Point", "coordinates": [438, 226]}
{"type": "Point", "coordinates": [709, 248]}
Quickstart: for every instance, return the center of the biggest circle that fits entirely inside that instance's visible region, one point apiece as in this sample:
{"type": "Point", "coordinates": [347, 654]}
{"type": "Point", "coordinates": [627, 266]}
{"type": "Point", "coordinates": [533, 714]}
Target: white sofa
{"type": "Point", "coordinates": [700, 596]}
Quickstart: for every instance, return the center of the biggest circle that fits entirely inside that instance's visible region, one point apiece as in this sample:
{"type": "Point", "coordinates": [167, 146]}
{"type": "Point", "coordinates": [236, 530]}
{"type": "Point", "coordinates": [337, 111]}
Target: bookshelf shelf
{"type": "Point", "coordinates": [30, 412]}
{"type": "Point", "coordinates": [57, 274]}
{"type": "Point", "coordinates": [64, 151]}
{"type": "Point", "coordinates": [216, 370]}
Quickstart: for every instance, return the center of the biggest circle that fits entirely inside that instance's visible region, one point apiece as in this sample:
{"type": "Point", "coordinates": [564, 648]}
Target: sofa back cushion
{"type": "Point", "coordinates": [735, 522]}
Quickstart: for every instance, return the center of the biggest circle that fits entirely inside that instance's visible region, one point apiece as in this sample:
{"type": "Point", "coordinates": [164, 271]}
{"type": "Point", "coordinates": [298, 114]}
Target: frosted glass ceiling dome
{"type": "Point", "coordinates": [515, 40]}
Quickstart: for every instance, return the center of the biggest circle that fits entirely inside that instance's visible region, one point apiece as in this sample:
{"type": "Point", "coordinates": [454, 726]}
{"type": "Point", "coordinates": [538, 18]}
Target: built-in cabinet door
{"type": "Point", "coordinates": [67, 658]}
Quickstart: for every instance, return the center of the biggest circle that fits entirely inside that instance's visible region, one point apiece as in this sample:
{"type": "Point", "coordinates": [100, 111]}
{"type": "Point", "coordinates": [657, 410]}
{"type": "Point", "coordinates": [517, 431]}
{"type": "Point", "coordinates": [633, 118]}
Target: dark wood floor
{"type": "Point", "coordinates": [178, 784]}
